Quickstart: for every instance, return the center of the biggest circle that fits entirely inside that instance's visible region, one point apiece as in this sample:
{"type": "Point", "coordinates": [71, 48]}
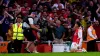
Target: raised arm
{"type": "Point", "coordinates": [1, 21]}
{"type": "Point", "coordinates": [7, 3]}
{"type": "Point", "coordinates": [97, 10]}
{"type": "Point", "coordinates": [9, 15]}
{"type": "Point", "coordinates": [18, 7]}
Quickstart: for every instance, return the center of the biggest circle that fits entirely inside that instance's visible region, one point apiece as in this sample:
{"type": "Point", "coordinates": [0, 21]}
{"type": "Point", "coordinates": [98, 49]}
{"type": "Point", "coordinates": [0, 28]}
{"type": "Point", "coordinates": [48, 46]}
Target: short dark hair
{"type": "Point", "coordinates": [78, 23]}
{"type": "Point", "coordinates": [89, 23]}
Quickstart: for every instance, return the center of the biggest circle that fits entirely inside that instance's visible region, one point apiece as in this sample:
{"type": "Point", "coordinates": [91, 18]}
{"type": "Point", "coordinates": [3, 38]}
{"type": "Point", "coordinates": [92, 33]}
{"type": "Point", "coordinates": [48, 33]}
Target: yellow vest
{"type": "Point", "coordinates": [89, 38]}
{"type": "Point", "coordinates": [18, 32]}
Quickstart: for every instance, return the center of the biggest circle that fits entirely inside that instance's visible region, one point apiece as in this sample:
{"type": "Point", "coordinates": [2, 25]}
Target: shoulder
{"type": "Point", "coordinates": [62, 26]}
{"type": "Point", "coordinates": [14, 24]}
{"type": "Point", "coordinates": [89, 29]}
{"type": "Point", "coordinates": [30, 19]}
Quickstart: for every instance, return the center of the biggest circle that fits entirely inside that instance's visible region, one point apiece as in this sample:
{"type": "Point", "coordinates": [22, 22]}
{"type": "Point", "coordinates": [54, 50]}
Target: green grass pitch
{"type": "Point", "coordinates": [53, 54]}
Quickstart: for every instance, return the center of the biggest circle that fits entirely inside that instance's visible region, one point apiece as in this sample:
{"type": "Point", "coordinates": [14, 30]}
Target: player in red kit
{"type": "Point", "coordinates": [77, 39]}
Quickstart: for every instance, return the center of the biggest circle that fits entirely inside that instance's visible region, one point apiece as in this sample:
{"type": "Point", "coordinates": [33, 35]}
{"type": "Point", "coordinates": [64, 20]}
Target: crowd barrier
{"type": "Point", "coordinates": [3, 47]}
{"type": "Point", "coordinates": [46, 47]}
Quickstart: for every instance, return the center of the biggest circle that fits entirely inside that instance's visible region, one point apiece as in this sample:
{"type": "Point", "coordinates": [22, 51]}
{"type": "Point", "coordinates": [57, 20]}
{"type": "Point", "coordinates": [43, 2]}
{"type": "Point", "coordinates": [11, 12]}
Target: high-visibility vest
{"type": "Point", "coordinates": [89, 38]}
{"type": "Point", "coordinates": [18, 32]}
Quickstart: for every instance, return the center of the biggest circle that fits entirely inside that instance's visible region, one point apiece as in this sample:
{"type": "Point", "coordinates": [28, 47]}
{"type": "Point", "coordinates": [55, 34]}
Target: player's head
{"type": "Point", "coordinates": [19, 19]}
{"type": "Point", "coordinates": [77, 24]}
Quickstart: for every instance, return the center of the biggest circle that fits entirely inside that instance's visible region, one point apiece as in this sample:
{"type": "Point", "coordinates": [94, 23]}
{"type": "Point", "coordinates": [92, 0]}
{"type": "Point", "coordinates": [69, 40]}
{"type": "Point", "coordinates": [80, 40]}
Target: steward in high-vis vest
{"type": "Point", "coordinates": [17, 31]}
{"type": "Point", "coordinates": [18, 36]}
{"type": "Point", "coordinates": [91, 37]}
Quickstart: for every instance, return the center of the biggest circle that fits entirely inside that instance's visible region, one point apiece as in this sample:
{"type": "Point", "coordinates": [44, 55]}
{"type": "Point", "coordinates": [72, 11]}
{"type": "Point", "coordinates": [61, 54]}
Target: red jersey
{"type": "Point", "coordinates": [75, 37]}
{"type": "Point", "coordinates": [24, 11]}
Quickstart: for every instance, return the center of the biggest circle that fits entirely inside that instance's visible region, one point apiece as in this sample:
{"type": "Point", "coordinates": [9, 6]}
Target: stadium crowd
{"type": "Point", "coordinates": [53, 20]}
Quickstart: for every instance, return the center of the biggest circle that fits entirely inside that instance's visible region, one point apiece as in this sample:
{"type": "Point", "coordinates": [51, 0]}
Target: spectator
{"type": "Point", "coordinates": [1, 21]}
{"type": "Point", "coordinates": [45, 9]}
{"type": "Point", "coordinates": [25, 10]}
{"type": "Point", "coordinates": [92, 8]}
{"type": "Point", "coordinates": [40, 8]}
{"type": "Point", "coordinates": [98, 12]}
{"type": "Point", "coordinates": [5, 24]}
{"type": "Point", "coordinates": [97, 29]}
{"type": "Point", "coordinates": [88, 16]}
{"type": "Point", "coordinates": [33, 9]}
{"type": "Point", "coordinates": [42, 22]}
{"type": "Point", "coordinates": [59, 32]}
{"type": "Point", "coordinates": [50, 27]}
{"type": "Point", "coordinates": [68, 24]}
{"type": "Point", "coordinates": [58, 5]}
{"type": "Point", "coordinates": [10, 33]}
{"type": "Point", "coordinates": [11, 11]}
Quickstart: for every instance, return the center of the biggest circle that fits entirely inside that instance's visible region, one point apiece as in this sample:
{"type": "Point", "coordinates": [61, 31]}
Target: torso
{"type": "Point", "coordinates": [75, 37]}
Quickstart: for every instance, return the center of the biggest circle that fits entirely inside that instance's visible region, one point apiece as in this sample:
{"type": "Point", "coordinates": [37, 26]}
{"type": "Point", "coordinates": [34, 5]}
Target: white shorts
{"type": "Point", "coordinates": [74, 46]}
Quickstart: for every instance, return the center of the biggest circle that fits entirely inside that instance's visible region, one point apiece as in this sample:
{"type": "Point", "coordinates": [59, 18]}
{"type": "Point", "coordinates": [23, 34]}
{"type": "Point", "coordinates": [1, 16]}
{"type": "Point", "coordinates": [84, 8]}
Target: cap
{"type": "Point", "coordinates": [34, 13]}
{"type": "Point", "coordinates": [19, 16]}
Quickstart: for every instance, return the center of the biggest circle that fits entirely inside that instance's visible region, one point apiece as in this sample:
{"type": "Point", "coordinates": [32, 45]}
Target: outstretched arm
{"type": "Point", "coordinates": [2, 20]}
{"type": "Point", "coordinates": [9, 15]}
{"type": "Point", "coordinates": [97, 10]}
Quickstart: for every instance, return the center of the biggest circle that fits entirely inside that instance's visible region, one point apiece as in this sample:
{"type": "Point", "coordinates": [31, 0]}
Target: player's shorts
{"type": "Point", "coordinates": [29, 35]}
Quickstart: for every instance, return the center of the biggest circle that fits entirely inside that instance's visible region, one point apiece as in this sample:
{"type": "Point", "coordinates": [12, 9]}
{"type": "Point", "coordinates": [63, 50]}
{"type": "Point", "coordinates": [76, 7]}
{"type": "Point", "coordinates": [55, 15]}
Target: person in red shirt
{"type": "Point", "coordinates": [25, 9]}
{"type": "Point", "coordinates": [97, 29]}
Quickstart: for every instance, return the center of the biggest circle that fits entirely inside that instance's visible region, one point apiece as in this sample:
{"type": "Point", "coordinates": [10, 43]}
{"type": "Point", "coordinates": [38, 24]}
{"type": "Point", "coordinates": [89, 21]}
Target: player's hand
{"type": "Point", "coordinates": [95, 37]}
{"type": "Point", "coordinates": [78, 38]}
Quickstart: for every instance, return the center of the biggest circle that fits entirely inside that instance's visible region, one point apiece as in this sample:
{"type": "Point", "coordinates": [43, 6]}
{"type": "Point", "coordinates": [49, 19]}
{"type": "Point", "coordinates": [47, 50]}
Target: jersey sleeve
{"type": "Point", "coordinates": [31, 21]}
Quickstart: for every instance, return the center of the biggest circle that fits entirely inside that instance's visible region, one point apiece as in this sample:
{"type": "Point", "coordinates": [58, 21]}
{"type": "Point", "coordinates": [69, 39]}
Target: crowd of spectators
{"type": "Point", "coordinates": [55, 17]}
